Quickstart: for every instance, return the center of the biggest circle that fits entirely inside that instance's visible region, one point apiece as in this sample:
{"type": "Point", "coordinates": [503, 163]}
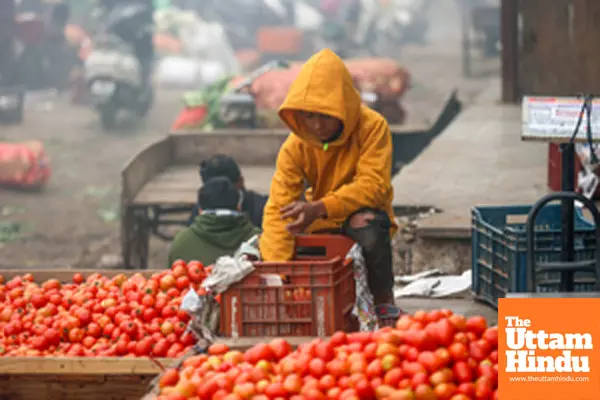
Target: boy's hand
{"type": "Point", "coordinates": [303, 213]}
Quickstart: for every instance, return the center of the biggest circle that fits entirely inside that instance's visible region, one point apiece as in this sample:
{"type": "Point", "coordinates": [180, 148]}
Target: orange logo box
{"type": "Point", "coordinates": [549, 349]}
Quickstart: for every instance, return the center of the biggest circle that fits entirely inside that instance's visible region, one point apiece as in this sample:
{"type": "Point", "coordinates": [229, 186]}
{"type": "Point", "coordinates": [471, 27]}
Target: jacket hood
{"type": "Point", "coordinates": [225, 231]}
{"type": "Point", "coordinates": [323, 85]}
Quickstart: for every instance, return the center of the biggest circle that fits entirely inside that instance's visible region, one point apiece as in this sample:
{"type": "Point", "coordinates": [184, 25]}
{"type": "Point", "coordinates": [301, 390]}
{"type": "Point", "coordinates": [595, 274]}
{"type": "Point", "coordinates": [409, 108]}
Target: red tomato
{"type": "Point", "coordinates": [491, 335]}
{"type": "Point", "coordinates": [169, 378]}
{"type": "Point", "coordinates": [182, 283]}
{"type": "Point", "coordinates": [196, 271]}
{"type": "Point", "coordinates": [477, 325]}
{"type": "Point", "coordinates": [144, 347]}
{"type": "Point", "coordinates": [429, 360]}
{"type": "Point", "coordinates": [467, 389]}
{"type": "Point", "coordinates": [483, 389]}
{"type": "Point", "coordinates": [274, 390]}
{"type": "Point", "coordinates": [393, 377]}
{"type": "Point", "coordinates": [445, 391]}
{"type": "Point", "coordinates": [78, 278]}
{"type": "Point", "coordinates": [462, 372]}
{"type": "Point", "coordinates": [425, 392]}
{"type": "Point", "coordinates": [458, 351]}
{"type": "Point", "coordinates": [280, 348]}
{"type": "Point", "coordinates": [338, 339]}
{"type": "Point", "coordinates": [218, 349]}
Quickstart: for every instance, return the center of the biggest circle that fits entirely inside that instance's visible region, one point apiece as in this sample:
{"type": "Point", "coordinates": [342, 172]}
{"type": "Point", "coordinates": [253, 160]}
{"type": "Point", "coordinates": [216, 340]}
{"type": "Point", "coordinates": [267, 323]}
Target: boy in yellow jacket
{"type": "Point", "coordinates": [342, 151]}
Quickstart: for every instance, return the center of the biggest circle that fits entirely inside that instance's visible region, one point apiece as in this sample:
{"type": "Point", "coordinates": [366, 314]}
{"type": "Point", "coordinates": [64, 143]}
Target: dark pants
{"type": "Point", "coordinates": [375, 240]}
{"type": "Point", "coordinates": [144, 51]}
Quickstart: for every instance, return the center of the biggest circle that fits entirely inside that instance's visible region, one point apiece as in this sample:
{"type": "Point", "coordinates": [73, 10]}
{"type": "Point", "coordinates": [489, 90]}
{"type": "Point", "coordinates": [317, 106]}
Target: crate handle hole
{"type": "Point", "coordinates": [311, 251]}
{"type": "Point", "coordinates": [516, 219]}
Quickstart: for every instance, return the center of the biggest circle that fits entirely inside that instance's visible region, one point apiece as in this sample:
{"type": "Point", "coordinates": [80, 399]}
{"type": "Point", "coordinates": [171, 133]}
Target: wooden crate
{"type": "Point", "coordinates": [75, 378]}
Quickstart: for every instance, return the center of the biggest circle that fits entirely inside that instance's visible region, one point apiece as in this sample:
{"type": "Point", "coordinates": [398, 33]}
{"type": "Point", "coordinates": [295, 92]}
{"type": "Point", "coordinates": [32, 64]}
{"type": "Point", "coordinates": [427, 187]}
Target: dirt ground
{"type": "Point", "coordinates": [74, 222]}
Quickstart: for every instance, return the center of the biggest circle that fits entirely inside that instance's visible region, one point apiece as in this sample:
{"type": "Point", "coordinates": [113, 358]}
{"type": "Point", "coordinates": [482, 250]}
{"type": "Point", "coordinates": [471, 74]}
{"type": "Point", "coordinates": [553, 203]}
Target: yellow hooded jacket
{"type": "Point", "coordinates": [350, 173]}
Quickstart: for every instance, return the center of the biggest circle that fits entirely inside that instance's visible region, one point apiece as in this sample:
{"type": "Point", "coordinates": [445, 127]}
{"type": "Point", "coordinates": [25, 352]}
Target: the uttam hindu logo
{"type": "Point", "coordinates": [526, 347]}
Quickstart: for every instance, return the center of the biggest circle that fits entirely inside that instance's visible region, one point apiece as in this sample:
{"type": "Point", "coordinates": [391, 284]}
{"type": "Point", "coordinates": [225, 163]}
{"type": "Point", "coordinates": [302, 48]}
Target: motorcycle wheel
{"type": "Point", "coordinates": [108, 118]}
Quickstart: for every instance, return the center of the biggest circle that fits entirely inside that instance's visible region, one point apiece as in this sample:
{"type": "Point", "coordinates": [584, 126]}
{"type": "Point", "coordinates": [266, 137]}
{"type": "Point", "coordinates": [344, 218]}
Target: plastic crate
{"type": "Point", "coordinates": [310, 296]}
{"type": "Point", "coordinates": [499, 250]}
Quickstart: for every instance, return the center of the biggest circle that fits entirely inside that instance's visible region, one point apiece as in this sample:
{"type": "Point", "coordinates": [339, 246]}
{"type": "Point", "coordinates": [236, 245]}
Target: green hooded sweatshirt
{"type": "Point", "coordinates": [210, 237]}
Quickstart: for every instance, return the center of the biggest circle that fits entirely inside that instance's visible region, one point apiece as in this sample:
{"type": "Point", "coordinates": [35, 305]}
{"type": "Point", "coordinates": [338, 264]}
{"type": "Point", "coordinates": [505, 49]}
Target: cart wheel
{"type": "Point", "coordinates": [135, 238]}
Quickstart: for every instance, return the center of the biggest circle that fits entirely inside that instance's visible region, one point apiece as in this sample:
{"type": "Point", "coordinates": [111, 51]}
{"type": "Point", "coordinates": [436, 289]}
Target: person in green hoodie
{"type": "Point", "coordinates": [218, 230]}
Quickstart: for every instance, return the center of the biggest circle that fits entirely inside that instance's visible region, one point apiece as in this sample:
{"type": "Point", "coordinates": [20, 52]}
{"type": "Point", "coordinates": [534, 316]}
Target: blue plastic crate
{"type": "Point", "coordinates": [499, 250]}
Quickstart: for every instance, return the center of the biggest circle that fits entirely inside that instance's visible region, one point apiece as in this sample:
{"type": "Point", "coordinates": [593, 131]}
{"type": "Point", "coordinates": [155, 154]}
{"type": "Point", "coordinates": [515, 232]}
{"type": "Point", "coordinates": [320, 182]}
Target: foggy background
{"type": "Point", "coordinates": [74, 221]}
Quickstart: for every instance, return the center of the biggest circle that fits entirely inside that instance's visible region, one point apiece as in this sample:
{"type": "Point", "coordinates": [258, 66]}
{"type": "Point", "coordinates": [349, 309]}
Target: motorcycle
{"type": "Point", "coordinates": [113, 73]}
{"type": "Point", "coordinates": [12, 92]}
{"type": "Point", "coordinates": [384, 29]}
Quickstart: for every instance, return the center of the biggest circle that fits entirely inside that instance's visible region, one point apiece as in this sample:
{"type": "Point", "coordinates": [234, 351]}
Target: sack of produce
{"type": "Point", "coordinates": [381, 76]}
{"type": "Point", "coordinates": [23, 164]}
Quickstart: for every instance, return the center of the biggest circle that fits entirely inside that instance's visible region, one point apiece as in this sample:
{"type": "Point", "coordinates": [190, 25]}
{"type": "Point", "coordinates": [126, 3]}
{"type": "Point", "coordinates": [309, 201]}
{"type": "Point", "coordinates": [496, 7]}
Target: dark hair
{"type": "Point", "coordinates": [220, 165]}
{"type": "Point", "coordinates": [61, 12]}
{"type": "Point", "coordinates": [218, 192]}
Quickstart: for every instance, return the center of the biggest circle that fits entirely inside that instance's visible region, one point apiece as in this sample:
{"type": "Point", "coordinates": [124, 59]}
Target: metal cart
{"type": "Point", "coordinates": [560, 120]}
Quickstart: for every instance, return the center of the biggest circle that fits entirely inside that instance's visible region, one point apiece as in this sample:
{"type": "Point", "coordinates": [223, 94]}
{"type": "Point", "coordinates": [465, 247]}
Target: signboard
{"type": "Point", "coordinates": [553, 119]}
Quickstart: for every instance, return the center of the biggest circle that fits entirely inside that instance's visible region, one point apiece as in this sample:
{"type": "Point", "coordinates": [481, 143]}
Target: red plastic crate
{"type": "Point", "coordinates": [315, 299]}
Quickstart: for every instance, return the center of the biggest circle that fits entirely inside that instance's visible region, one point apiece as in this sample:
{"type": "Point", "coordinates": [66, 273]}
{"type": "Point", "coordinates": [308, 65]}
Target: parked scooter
{"type": "Point", "coordinates": [113, 73]}
{"type": "Point", "coordinates": [12, 92]}
{"type": "Point", "coordinates": [383, 30]}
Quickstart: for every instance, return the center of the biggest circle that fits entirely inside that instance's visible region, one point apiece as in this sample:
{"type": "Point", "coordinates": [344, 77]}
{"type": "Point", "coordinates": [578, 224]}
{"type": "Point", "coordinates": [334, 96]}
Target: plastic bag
{"type": "Point", "coordinates": [205, 313]}
{"type": "Point", "coordinates": [227, 271]}
{"type": "Point", "coordinates": [587, 179]}
{"type": "Point", "coordinates": [204, 310]}
{"type": "Point", "coordinates": [207, 41]}
{"type": "Point", "coordinates": [364, 307]}
{"type": "Point", "coordinates": [249, 249]}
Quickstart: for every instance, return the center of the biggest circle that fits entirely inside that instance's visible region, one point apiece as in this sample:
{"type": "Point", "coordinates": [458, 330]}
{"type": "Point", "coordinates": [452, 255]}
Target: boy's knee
{"type": "Point", "coordinates": [361, 219]}
{"type": "Point", "coordinates": [367, 228]}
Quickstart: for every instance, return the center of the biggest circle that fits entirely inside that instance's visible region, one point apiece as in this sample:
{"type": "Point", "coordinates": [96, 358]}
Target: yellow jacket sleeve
{"type": "Point", "coordinates": [276, 243]}
{"type": "Point", "coordinates": [372, 183]}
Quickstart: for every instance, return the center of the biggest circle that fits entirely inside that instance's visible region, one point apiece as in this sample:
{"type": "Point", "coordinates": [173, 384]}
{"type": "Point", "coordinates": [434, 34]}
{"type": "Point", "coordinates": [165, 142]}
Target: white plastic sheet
{"type": "Point", "coordinates": [437, 286]}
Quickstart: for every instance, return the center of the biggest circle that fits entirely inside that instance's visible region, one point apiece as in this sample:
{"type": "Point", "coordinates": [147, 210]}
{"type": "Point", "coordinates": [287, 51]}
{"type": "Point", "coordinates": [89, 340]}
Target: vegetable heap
{"type": "Point", "coordinates": [427, 356]}
{"type": "Point", "coordinates": [99, 316]}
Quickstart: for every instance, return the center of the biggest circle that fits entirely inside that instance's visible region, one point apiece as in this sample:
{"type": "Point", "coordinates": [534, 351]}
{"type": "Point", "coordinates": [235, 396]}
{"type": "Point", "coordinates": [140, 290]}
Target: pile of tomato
{"type": "Point", "coordinates": [434, 355]}
{"type": "Point", "coordinates": [99, 316]}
